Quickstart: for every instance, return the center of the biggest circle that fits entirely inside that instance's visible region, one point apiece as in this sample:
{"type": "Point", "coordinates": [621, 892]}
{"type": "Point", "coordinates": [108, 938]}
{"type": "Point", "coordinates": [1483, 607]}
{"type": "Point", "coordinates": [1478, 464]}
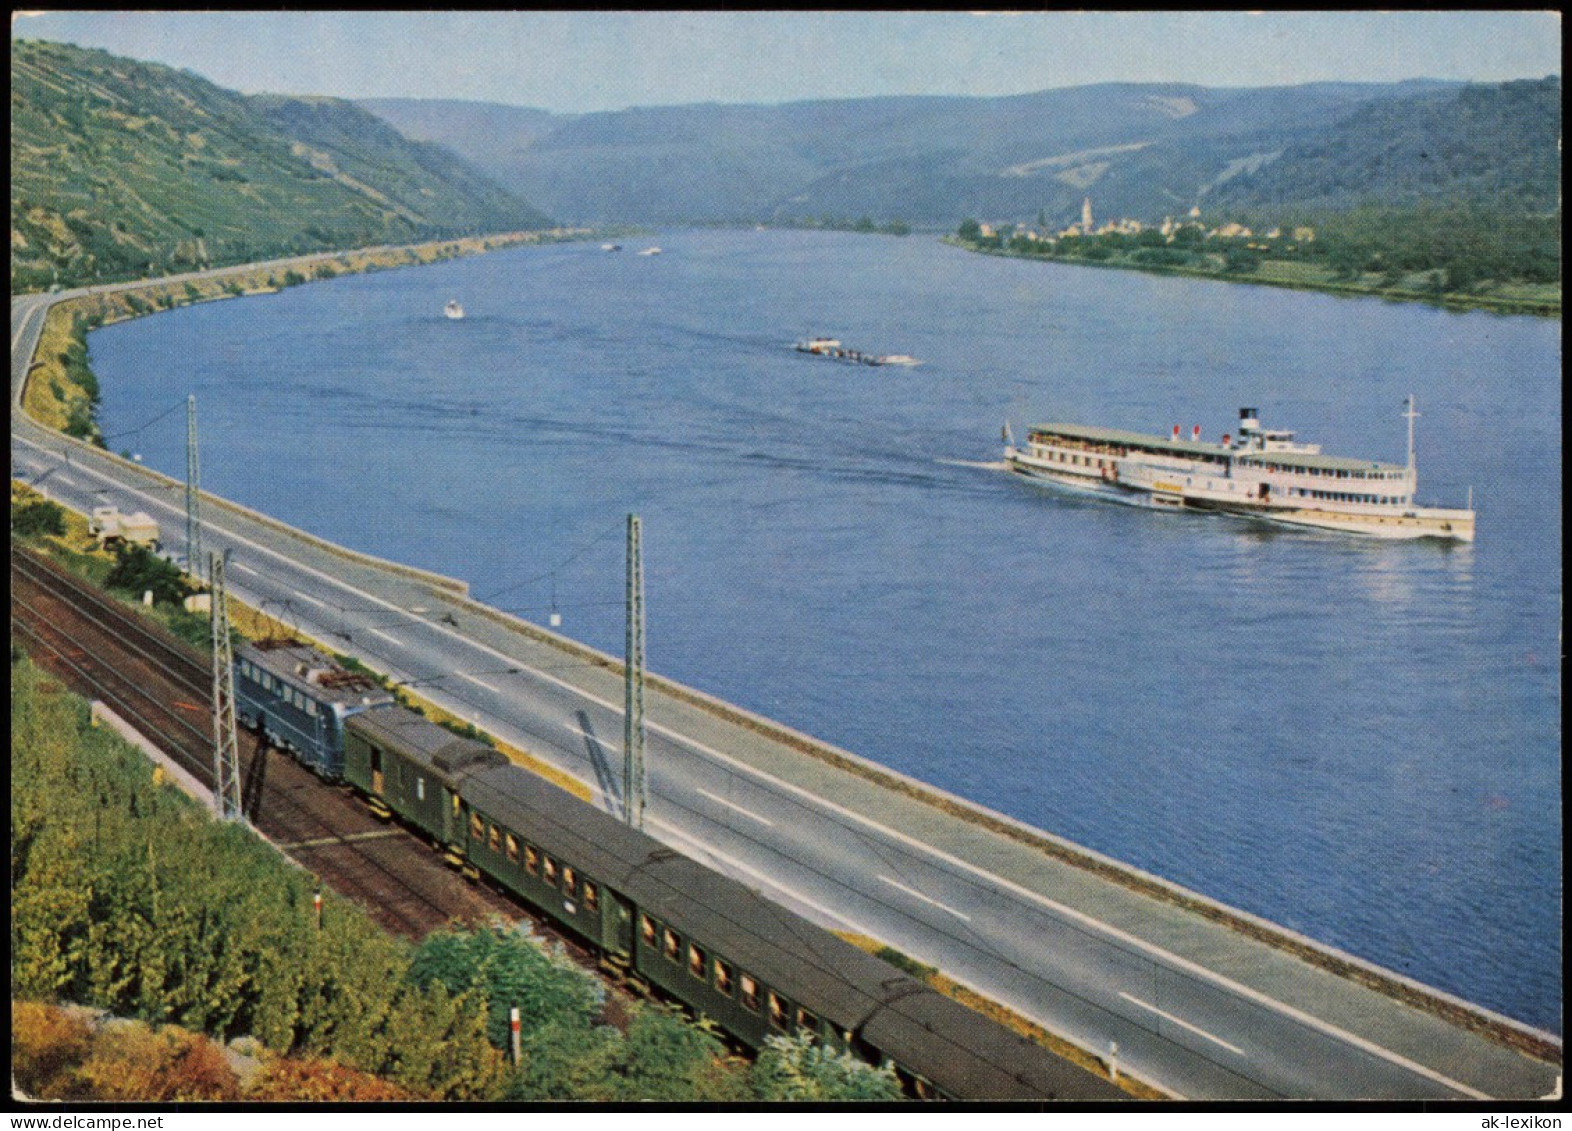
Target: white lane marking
{"type": "Point", "coordinates": [67, 480]}
{"type": "Point", "coordinates": [390, 639]}
{"type": "Point", "coordinates": [1182, 1023]}
{"type": "Point", "coordinates": [313, 600]}
{"type": "Point", "coordinates": [675, 836]}
{"type": "Point", "coordinates": [738, 808]}
{"type": "Point", "coordinates": [1139, 944]}
{"type": "Point", "coordinates": [479, 682]}
{"type": "Point", "coordinates": [915, 894]}
{"type": "Point", "coordinates": [243, 568]}
{"type": "Point", "coordinates": [763, 882]}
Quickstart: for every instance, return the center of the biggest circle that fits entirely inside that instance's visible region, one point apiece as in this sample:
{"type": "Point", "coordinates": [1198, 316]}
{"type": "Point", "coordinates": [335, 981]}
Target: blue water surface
{"type": "Point", "coordinates": [1358, 740]}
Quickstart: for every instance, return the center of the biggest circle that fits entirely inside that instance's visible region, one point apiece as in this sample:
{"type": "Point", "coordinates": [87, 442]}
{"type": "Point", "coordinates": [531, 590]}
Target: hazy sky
{"type": "Point", "coordinates": [581, 61]}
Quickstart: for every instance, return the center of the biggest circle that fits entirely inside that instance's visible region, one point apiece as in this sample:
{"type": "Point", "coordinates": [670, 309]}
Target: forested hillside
{"type": "Point", "coordinates": [1496, 146]}
{"type": "Point", "coordinates": [121, 169]}
{"type": "Point", "coordinates": [1136, 149]}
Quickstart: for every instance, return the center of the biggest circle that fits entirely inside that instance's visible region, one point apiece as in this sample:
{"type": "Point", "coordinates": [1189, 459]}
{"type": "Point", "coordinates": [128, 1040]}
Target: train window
{"type": "Point", "coordinates": [531, 859]}
{"type": "Point", "coordinates": [512, 845]}
{"type": "Point", "coordinates": [569, 880]}
{"type": "Point", "coordinates": [477, 827]}
{"type": "Point", "coordinates": [549, 873]}
{"type": "Point", "coordinates": [807, 1022]}
{"type": "Point", "coordinates": [671, 945]}
{"type": "Point", "coordinates": [591, 896]}
{"type": "Point", "coordinates": [494, 838]}
{"type": "Point", "coordinates": [750, 993]}
{"type": "Point", "coordinates": [723, 977]}
{"type": "Point", "coordinates": [455, 799]}
{"type": "Point", "coordinates": [777, 1010]}
{"type": "Point", "coordinates": [376, 760]}
{"type": "Point", "coordinates": [647, 930]}
{"type": "Point", "coordinates": [696, 961]}
{"type": "Point", "coordinates": [420, 789]}
{"type": "Point", "coordinates": [311, 707]}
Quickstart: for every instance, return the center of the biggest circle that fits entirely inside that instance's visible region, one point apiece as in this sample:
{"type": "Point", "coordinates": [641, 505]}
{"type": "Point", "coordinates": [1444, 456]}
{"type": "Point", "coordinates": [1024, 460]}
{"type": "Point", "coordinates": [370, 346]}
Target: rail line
{"type": "Point", "coordinates": [287, 810]}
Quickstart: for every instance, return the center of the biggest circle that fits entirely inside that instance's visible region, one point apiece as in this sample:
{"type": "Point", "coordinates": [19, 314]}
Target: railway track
{"type": "Point", "coordinates": [163, 688]}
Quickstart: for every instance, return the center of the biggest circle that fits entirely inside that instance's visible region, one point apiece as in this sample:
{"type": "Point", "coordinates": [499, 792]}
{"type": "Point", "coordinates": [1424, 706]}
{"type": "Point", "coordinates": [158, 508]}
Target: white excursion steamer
{"type": "Point", "coordinates": [1261, 473]}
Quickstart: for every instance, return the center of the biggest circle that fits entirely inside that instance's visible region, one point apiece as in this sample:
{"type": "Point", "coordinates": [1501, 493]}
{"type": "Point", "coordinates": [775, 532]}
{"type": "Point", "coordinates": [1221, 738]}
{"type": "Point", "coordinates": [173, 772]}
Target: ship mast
{"type": "Point", "coordinates": [1411, 414]}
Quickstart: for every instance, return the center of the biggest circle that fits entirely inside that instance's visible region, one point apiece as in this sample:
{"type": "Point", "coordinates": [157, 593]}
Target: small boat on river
{"type": "Point", "coordinates": [453, 309]}
{"type": "Point", "coordinates": [831, 349]}
{"type": "Point", "coordinates": [1260, 473]}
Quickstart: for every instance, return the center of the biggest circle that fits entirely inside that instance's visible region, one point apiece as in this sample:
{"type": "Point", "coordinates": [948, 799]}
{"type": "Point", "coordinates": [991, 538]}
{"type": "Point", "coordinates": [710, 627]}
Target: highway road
{"type": "Point", "coordinates": [1195, 1008]}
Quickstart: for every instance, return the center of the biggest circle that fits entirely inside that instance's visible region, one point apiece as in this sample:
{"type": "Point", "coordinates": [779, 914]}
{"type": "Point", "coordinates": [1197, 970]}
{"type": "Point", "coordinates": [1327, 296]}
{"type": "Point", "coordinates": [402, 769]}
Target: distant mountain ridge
{"type": "Point", "coordinates": [1141, 150]}
{"type": "Point", "coordinates": [120, 168]}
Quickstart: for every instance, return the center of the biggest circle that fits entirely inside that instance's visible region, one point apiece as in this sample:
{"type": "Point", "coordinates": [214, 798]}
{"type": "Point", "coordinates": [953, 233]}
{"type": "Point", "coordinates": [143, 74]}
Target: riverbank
{"type": "Point", "coordinates": [62, 391]}
{"type": "Point", "coordinates": [1543, 300]}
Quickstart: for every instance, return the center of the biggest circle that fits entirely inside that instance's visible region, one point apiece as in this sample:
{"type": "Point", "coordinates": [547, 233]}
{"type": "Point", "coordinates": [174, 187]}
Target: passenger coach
{"type": "Point", "coordinates": [692, 934]}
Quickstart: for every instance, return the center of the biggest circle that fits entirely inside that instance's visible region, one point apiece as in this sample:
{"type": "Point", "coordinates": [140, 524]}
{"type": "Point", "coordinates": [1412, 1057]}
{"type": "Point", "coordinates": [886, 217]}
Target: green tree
{"type": "Point", "coordinates": [33, 520]}
{"type": "Point", "coordinates": [796, 1068]}
{"type": "Point", "coordinates": [970, 231]}
{"type": "Point", "coordinates": [137, 569]}
{"type": "Point", "coordinates": [509, 971]}
{"type": "Point", "coordinates": [667, 1057]}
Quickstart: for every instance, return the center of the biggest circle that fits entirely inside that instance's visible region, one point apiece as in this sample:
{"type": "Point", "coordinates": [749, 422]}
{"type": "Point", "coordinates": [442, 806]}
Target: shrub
{"type": "Point", "coordinates": [37, 519]}
{"type": "Point", "coordinates": [310, 1080]}
{"type": "Point", "coordinates": [795, 1068]}
{"type": "Point", "coordinates": [131, 1062]}
{"type": "Point", "coordinates": [47, 1044]}
{"type": "Point", "coordinates": [137, 569]}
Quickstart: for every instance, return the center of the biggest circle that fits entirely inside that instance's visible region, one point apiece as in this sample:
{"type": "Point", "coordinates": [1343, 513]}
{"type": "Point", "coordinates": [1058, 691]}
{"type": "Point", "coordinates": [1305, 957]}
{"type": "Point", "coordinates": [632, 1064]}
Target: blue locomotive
{"type": "Point", "coordinates": [299, 698]}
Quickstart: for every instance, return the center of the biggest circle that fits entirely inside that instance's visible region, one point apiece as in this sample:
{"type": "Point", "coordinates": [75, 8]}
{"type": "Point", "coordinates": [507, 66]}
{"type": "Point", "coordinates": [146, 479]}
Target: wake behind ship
{"type": "Point", "coordinates": [1261, 473]}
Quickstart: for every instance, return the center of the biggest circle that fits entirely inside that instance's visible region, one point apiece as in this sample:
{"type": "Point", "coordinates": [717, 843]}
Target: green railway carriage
{"type": "Point", "coordinates": [692, 934]}
{"type": "Point", "coordinates": [747, 963]}
{"type": "Point", "coordinates": [412, 768]}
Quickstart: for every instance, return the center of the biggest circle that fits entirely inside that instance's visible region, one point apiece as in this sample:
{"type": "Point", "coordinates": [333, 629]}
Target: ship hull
{"type": "Point", "coordinates": [1139, 484]}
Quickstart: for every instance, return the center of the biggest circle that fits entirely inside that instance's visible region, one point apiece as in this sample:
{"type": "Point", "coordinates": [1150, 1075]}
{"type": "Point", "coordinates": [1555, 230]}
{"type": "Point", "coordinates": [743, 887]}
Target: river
{"type": "Point", "coordinates": [1358, 740]}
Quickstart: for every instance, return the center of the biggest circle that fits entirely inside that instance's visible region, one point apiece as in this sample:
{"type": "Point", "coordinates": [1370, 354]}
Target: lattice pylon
{"type": "Point", "coordinates": [633, 667]}
{"type": "Point", "coordinates": [194, 559]}
{"type": "Point", "coordinates": [226, 750]}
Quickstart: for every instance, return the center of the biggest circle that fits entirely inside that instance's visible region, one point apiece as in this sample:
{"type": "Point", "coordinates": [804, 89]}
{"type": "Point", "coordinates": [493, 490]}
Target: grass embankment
{"type": "Point", "coordinates": [1542, 299]}
{"type": "Point", "coordinates": [996, 1012]}
{"type": "Point", "coordinates": [78, 551]}
{"type": "Point", "coordinates": [128, 898]}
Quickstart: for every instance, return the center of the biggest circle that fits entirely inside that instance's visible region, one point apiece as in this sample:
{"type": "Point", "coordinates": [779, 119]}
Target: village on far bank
{"type": "Point", "coordinates": [1450, 256]}
{"type": "Point", "coordinates": [1170, 230]}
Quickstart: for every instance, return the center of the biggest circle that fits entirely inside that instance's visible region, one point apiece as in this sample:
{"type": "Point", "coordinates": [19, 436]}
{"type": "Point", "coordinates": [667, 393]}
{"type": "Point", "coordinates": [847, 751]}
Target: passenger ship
{"type": "Point", "coordinates": [1261, 473]}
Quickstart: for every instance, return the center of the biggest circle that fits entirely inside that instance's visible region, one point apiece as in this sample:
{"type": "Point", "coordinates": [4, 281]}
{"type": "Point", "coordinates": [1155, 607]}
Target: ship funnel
{"type": "Point", "coordinates": [1195, 433]}
{"type": "Point", "coordinates": [1248, 421]}
{"type": "Point", "coordinates": [1176, 431]}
